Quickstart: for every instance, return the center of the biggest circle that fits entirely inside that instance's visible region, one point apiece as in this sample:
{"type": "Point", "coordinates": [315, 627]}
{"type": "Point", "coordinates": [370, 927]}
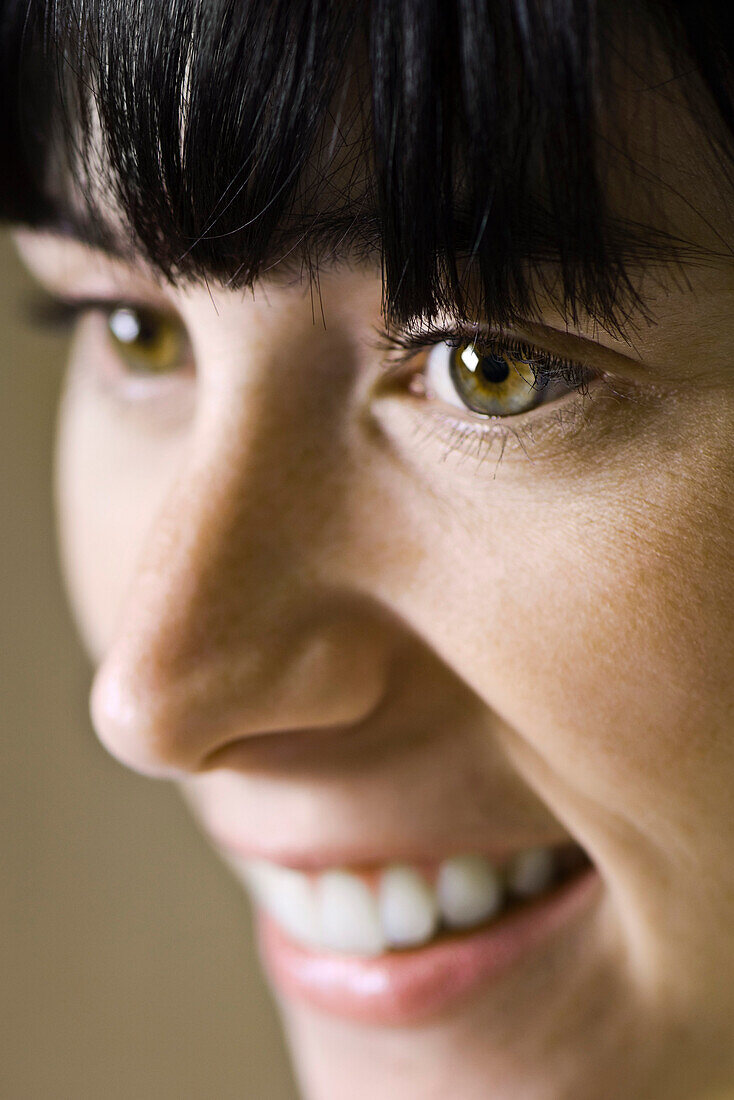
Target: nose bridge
{"type": "Point", "coordinates": [230, 629]}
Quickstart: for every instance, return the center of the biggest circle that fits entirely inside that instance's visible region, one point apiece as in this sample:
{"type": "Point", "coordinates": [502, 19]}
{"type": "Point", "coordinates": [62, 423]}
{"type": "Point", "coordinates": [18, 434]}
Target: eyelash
{"type": "Point", "coordinates": [61, 314]}
{"type": "Point", "coordinates": [401, 348]}
{"type": "Point", "coordinates": [404, 347]}
{"type": "Point", "coordinates": [479, 437]}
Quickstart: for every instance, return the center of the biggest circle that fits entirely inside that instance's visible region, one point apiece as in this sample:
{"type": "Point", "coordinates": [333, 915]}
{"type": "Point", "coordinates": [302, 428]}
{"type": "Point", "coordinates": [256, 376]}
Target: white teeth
{"type": "Point", "coordinates": [339, 911]}
{"type": "Point", "coordinates": [469, 891]}
{"type": "Point", "coordinates": [530, 872]}
{"type": "Point", "coordinates": [289, 898]}
{"type": "Point", "coordinates": [407, 905]}
{"type": "Point", "coordinates": [348, 914]}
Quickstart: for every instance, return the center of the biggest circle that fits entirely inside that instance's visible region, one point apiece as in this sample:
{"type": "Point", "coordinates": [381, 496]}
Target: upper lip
{"type": "Point", "coordinates": [325, 857]}
{"type": "Point", "coordinates": [421, 809]}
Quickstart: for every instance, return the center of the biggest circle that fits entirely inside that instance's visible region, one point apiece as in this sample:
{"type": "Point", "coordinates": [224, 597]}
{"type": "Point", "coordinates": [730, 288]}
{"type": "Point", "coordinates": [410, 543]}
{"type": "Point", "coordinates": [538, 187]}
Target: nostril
{"type": "Point", "coordinates": [169, 718]}
{"type": "Point", "coordinates": [129, 722]}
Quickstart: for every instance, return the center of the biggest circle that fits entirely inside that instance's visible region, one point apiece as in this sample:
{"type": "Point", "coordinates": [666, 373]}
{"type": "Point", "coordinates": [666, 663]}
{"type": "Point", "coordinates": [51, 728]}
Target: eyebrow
{"type": "Point", "coordinates": [350, 234]}
{"type": "Point", "coordinates": [324, 237]}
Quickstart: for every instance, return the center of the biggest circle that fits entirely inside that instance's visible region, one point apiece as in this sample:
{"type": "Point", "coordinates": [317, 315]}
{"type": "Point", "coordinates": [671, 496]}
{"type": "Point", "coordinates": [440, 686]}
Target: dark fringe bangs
{"type": "Point", "coordinates": [455, 142]}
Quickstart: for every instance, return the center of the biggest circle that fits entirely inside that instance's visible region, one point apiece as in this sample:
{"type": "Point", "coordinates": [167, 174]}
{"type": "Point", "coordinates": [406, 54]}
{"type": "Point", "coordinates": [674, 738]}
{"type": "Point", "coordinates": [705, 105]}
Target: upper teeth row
{"type": "Point", "coordinates": [338, 910]}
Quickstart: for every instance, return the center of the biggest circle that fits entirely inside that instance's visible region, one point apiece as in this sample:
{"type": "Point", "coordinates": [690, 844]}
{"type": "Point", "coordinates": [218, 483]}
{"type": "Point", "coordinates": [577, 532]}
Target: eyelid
{"type": "Point", "coordinates": [616, 363]}
{"type": "Point", "coordinates": [623, 363]}
{"type": "Point", "coordinates": [403, 346]}
{"type": "Point", "coordinates": [59, 313]}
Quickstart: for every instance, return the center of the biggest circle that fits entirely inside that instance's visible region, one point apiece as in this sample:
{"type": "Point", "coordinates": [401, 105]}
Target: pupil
{"type": "Point", "coordinates": [494, 369]}
{"type": "Point", "coordinates": [147, 330]}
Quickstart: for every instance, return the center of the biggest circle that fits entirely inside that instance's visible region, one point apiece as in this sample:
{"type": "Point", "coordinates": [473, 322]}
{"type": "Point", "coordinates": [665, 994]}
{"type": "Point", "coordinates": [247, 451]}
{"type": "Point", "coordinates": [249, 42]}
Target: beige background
{"type": "Point", "coordinates": [126, 965]}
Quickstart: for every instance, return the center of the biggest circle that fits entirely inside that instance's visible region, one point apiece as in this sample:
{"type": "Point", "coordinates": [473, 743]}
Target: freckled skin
{"type": "Point", "coordinates": [531, 648]}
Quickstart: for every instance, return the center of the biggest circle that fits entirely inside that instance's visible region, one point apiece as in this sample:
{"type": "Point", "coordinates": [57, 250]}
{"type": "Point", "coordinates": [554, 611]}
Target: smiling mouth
{"type": "Point", "coordinates": [401, 906]}
{"type": "Point", "coordinates": [398, 945]}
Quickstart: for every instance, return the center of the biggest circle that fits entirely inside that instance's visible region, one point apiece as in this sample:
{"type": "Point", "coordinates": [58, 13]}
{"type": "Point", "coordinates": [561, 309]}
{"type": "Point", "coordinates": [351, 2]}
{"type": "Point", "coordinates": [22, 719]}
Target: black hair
{"type": "Point", "coordinates": [455, 141]}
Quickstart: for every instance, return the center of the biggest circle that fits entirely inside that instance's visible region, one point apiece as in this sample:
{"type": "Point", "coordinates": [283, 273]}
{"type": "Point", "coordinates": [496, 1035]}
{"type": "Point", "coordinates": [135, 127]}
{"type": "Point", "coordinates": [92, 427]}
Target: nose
{"type": "Point", "coordinates": [235, 625]}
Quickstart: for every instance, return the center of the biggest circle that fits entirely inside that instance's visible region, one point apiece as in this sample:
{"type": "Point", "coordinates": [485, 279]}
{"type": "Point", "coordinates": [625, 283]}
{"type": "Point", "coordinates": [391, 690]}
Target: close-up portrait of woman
{"type": "Point", "coordinates": [394, 484]}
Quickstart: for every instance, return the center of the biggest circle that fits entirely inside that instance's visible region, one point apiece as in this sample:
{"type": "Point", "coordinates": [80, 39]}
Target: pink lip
{"type": "Point", "coordinates": [315, 859]}
{"type": "Point", "coordinates": [405, 987]}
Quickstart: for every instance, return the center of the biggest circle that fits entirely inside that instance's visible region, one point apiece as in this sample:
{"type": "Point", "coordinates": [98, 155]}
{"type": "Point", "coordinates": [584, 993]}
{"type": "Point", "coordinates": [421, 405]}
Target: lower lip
{"type": "Point", "coordinates": [408, 986]}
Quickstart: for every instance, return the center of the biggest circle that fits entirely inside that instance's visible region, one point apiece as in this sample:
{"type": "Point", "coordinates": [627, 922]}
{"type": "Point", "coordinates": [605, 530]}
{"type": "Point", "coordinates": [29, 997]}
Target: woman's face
{"type": "Point", "coordinates": [362, 626]}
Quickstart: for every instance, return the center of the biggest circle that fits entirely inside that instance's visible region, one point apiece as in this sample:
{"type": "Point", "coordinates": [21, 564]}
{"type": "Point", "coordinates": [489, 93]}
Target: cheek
{"type": "Point", "coordinates": [619, 657]}
{"type": "Point", "coordinates": [112, 476]}
{"type": "Point", "coordinates": [591, 610]}
{"type": "Point", "coordinates": [631, 630]}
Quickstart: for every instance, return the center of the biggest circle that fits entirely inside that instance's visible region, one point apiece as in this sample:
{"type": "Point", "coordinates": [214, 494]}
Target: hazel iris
{"type": "Point", "coordinates": [147, 341]}
{"type": "Point", "coordinates": [494, 383]}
